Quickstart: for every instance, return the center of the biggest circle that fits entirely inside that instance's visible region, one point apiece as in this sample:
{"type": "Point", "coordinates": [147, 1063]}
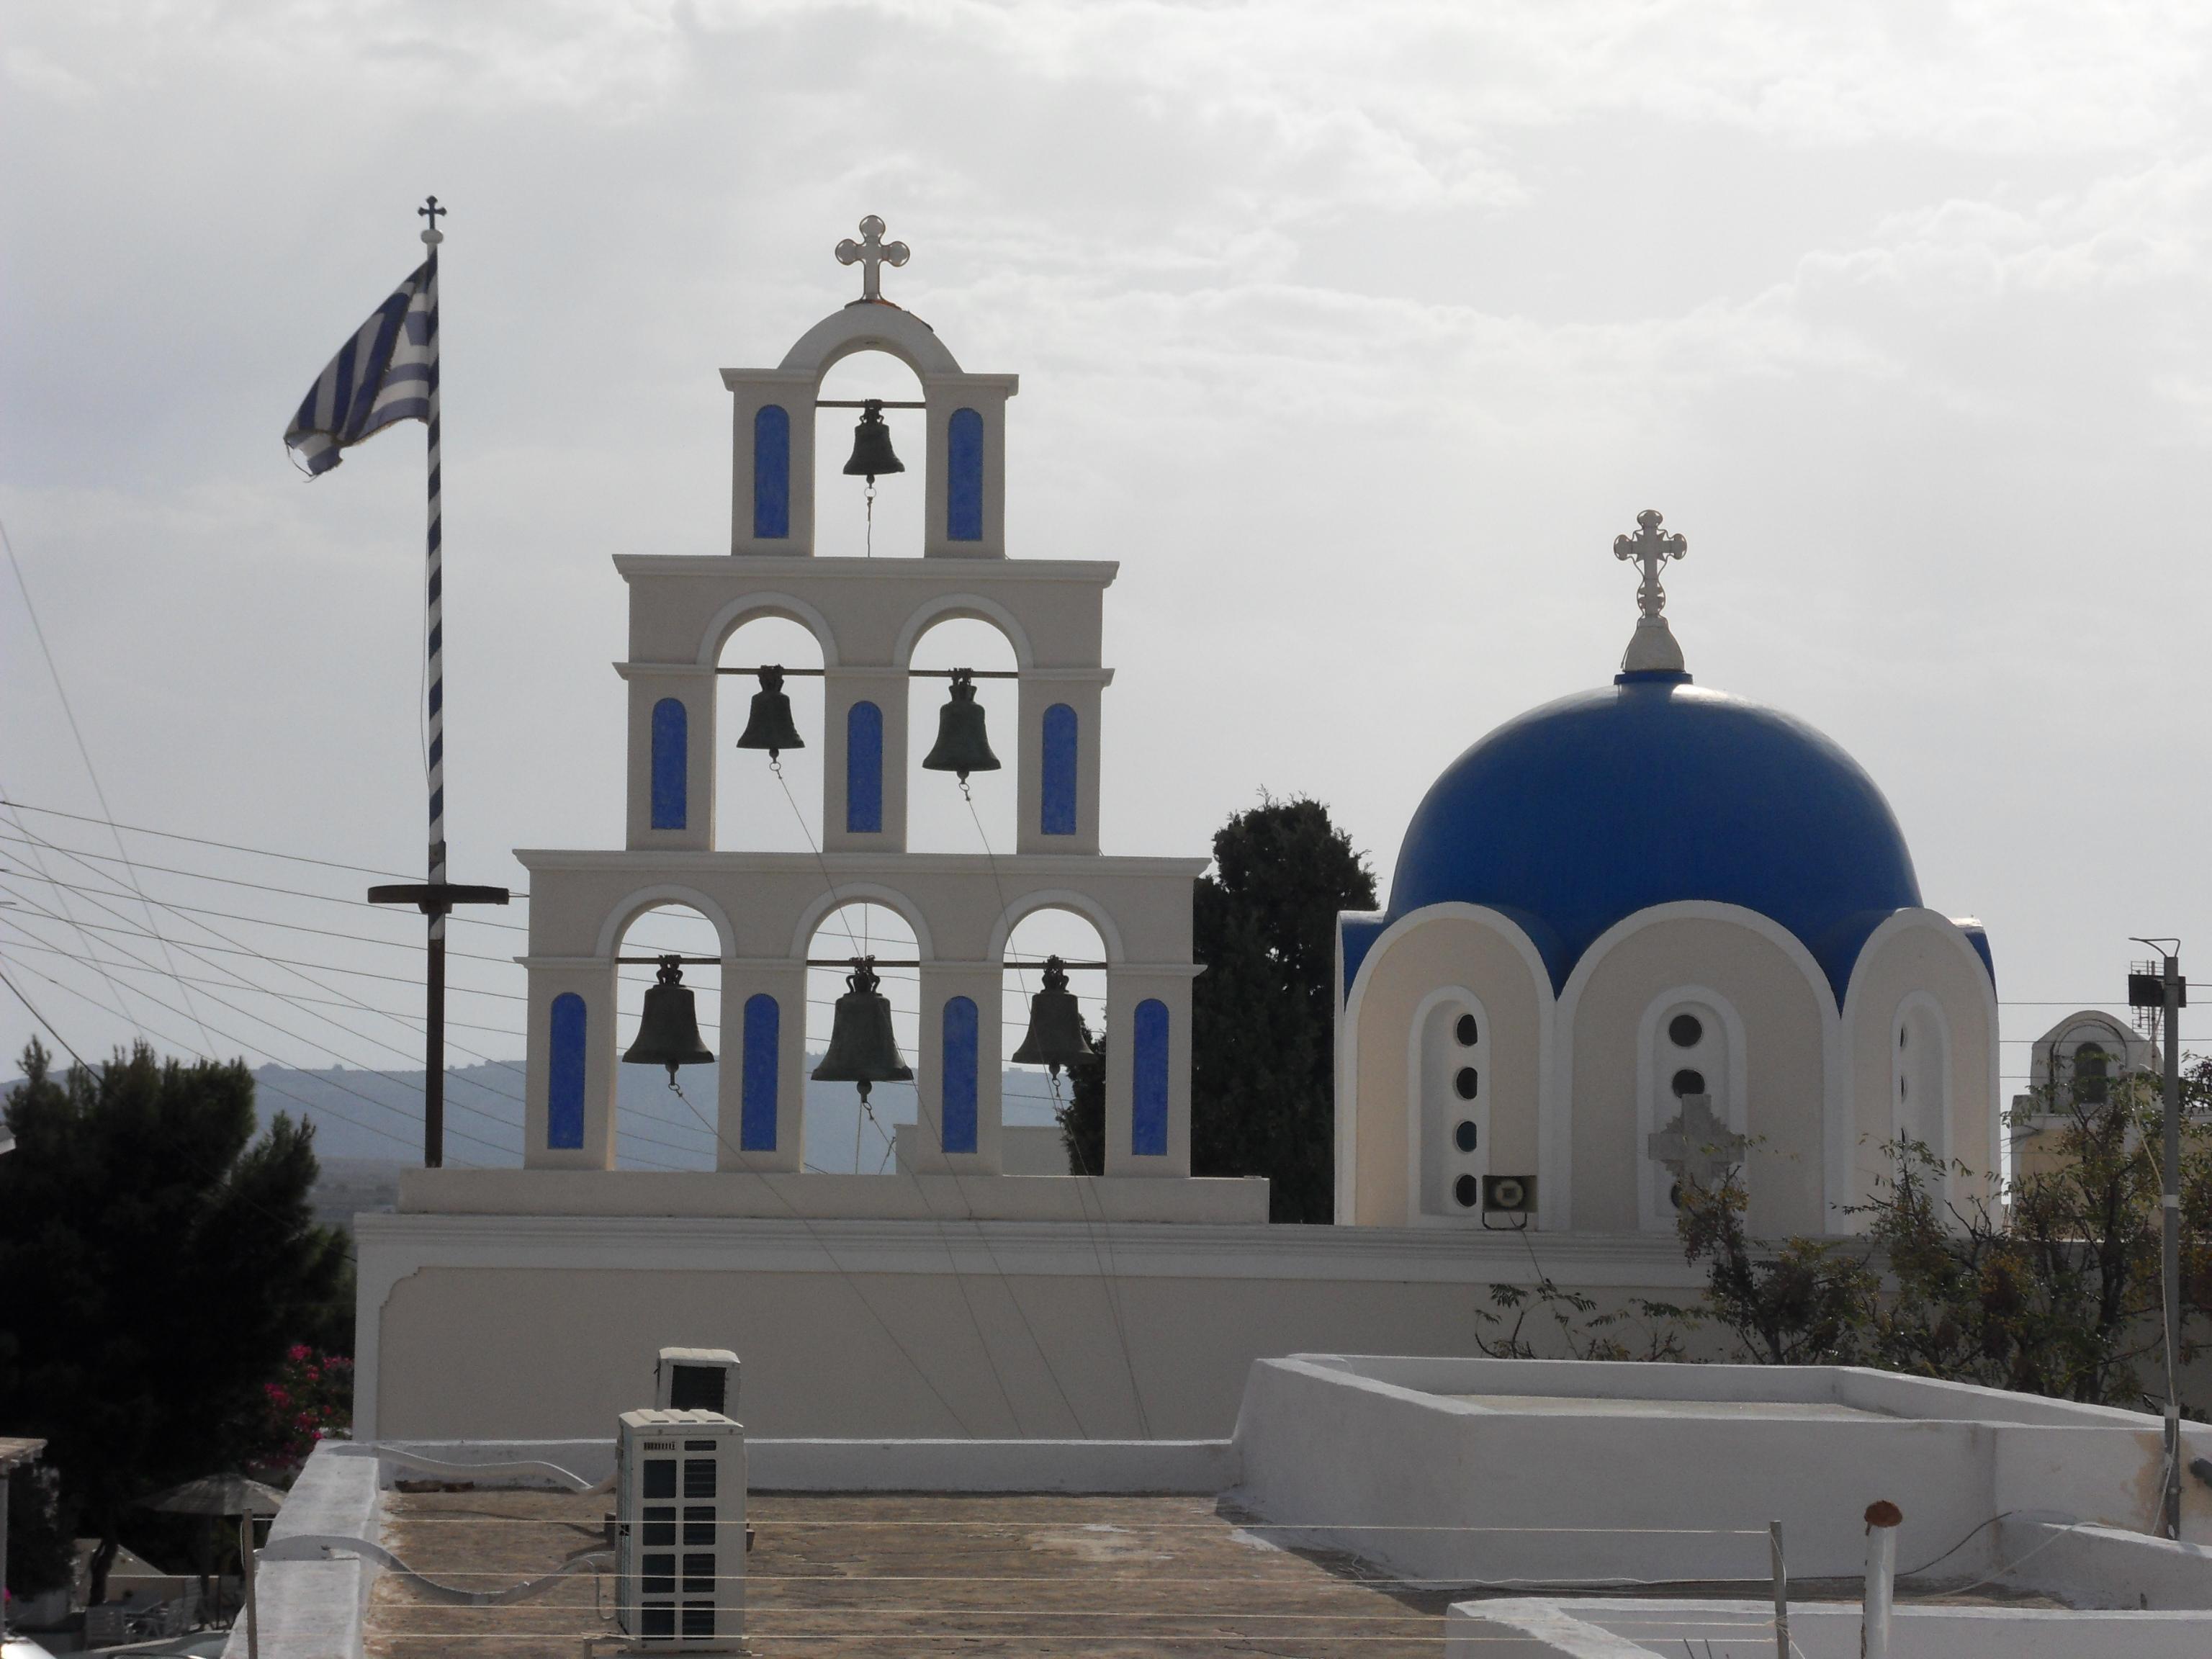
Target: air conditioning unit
{"type": "Point", "coordinates": [696, 1380]}
{"type": "Point", "coordinates": [680, 1529]}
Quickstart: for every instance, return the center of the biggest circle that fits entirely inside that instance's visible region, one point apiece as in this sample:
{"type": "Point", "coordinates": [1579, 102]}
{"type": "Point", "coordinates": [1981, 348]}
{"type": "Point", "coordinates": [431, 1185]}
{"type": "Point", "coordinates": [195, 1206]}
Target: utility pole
{"type": "Point", "coordinates": [2168, 991]}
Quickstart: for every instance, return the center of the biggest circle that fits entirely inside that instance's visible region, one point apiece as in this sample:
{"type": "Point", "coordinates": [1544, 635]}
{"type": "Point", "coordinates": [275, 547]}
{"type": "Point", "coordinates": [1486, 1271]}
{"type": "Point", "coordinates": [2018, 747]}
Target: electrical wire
{"type": "Point", "coordinates": [203, 841]}
{"type": "Point", "coordinates": [235, 881]}
{"type": "Point", "coordinates": [84, 751]}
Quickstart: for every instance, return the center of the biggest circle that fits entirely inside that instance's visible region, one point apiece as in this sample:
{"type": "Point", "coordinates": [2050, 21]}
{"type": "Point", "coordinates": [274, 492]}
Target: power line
{"type": "Point", "coordinates": [247, 985]}
{"type": "Point", "coordinates": [41, 1018]}
{"type": "Point", "coordinates": [235, 881]}
{"type": "Point", "coordinates": [84, 752]}
{"type": "Point", "coordinates": [203, 841]}
{"type": "Point", "coordinates": [229, 1036]}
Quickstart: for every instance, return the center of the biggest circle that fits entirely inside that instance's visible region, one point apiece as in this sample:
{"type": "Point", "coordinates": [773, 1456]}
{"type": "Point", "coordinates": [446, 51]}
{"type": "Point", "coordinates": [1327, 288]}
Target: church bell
{"type": "Point", "coordinates": [960, 745]}
{"type": "Point", "coordinates": [862, 1049]}
{"type": "Point", "coordinates": [769, 726]}
{"type": "Point", "coordinates": [871, 445]}
{"type": "Point", "coordinates": [668, 1034]}
{"type": "Point", "coordinates": [1056, 1037]}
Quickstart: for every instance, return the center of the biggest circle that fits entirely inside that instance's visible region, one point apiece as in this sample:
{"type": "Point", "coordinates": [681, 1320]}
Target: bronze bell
{"type": "Point", "coordinates": [961, 746]}
{"type": "Point", "coordinates": [668, 1034]}
{"type": "Point", "coordinates": [862, 1049]}
{"type": "Point", "coordinates": [871, 445]}
{"type": "Point", "coordinates": [1056, 1037]}
{"type": "Point", "coordinates": [769, 726]}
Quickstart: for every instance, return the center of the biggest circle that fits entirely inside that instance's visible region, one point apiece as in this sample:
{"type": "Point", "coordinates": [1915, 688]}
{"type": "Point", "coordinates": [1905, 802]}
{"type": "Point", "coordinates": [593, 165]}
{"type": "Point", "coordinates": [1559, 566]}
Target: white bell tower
{"type": "Point", "coordinates": [866, 615]}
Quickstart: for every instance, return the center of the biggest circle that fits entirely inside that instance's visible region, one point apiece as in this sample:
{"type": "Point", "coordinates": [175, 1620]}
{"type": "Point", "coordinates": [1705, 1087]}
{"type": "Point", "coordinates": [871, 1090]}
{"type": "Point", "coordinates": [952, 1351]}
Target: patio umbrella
{"type": "Point", "coordinates": [219, 1494]}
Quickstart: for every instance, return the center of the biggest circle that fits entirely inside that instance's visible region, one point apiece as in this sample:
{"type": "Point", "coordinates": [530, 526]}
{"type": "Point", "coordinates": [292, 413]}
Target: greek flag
{"type": "Point", "coordinates": [386, 372]}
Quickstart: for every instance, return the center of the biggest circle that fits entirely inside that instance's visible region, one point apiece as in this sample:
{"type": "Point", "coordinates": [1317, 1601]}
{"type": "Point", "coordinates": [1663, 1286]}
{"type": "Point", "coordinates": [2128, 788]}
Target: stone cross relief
{"type": "Point", "coordinates": [872, 253]}
{"type": "Point", "coordinates": [1697, 1147]}
{"type": "Point", "coordinates": [1650, 546]}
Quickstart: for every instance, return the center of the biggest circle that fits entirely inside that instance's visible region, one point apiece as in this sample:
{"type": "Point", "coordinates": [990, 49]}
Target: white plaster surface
{"type": "Point", "coordinates": [1830, 1630]}
{"type": "Point", "coordinates": [1070, 1465]}
{"type": "Point", "coordinates": [1574, 1084]}
{"type": "Point", "coordinates": [1639, 1472]}
{"type": "Point", "coordinates": [542, 1325]}
{"type": "Point", "coordinates": [815, 1196]}
{"type": "Point", "coordinates": [312, 1609]}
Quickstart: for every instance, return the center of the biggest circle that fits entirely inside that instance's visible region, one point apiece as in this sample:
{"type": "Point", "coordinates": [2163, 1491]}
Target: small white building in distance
{"type": "Point", "coordinates": [1643, 929]}
{"type": "Point", "coordinates": [2071, 1066]}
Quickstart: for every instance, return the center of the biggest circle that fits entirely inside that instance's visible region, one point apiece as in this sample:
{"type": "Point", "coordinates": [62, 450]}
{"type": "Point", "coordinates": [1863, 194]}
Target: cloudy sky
{"type": "Point", "coordinates": [1355, 332]}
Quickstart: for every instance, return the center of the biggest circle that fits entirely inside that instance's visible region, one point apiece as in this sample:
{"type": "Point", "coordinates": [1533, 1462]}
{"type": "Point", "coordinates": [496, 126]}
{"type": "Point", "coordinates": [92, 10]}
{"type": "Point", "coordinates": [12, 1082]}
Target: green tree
{"type": "Point", "coordinates": [2054, 1291]}
{"type": "Point", "coordinates": [1082, 1114]}
{"type": "Point", "coordinates": [1263, 1019]}
{"type": "Point", "coordinates": [159, 1261]}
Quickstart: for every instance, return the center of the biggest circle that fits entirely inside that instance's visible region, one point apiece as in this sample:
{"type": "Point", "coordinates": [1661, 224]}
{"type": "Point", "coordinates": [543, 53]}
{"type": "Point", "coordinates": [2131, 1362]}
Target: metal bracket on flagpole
{"type": "Point", "coordinates": [436, 898]}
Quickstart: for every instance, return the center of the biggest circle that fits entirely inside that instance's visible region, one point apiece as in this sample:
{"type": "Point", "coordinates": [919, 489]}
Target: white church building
{"type": "Point", "coordinates": [1647, 928]}
{"type": "Point", "coordinates": [1647, 931]}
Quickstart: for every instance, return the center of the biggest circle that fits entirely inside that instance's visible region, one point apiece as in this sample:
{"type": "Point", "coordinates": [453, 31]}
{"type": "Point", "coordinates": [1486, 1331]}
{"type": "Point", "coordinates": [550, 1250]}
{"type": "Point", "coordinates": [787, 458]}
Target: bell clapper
{"type": "Point", "coordinates": [871, 543]}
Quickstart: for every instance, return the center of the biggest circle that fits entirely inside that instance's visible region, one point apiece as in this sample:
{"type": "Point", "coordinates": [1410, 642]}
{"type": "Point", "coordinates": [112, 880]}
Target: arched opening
{"type": "Point", "coordinates": [939, 819]}
{"type": "Point", "coordinates": [1032, 1097]}
{"type": "Point", "coordinates": [1920, 1079]}
{"type": "Point", "coordinates": [843, 1137]}
{"type": "Point", "coordinates": [841, 505]}
{"type": "Point", "coordinates": [656, 1127]}
{"type": "Point", "coordinates": [1451, 1124]}
{"type": "Point", "coordinates": [2092, 1074]}
{"type": "Point", "coordinates": [1690, 1114]}
{"type": "Point", "coordinates": [753, 811]}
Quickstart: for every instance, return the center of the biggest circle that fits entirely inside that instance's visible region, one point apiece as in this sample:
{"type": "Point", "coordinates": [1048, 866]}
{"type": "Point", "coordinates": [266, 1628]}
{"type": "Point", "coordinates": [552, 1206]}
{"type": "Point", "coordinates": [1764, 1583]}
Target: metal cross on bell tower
{"type": "Point", "coordinates": [1652, 648]}
{"type": "Point", "coordinates": [872, 253]}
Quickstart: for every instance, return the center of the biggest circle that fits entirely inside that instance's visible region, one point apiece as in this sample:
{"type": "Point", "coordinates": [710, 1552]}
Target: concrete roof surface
{"type": "Point", "coordinates": [1042, 1575]}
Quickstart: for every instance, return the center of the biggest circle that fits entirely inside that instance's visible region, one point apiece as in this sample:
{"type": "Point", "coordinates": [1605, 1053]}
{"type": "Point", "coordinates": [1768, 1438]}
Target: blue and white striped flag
{"type": "Point", "coordinates": [384, 374]}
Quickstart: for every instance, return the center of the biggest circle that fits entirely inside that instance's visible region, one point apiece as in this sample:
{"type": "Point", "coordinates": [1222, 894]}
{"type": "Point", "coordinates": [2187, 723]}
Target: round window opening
{"type": "Point", "coordinates": [1467, 1191]}
{"type": "Point", "coordinates": [1466, 1031]}
{"type": "Point", "coordinates": [1687, 1082]}
{"type": "Point", "coordinates": [1466, 1135]}
{"type": "Point", "coordinates": [1686, 1030]}
{"type": "Point", "coordinates": [1467, 1082]}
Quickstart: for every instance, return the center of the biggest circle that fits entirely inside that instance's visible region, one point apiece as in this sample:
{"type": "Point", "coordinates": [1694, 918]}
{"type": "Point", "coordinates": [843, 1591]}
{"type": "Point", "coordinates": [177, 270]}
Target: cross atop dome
{"type": "Point", "coordinates": [872, 253]}
{"type": "Point", "coordinates": [1652, 648]}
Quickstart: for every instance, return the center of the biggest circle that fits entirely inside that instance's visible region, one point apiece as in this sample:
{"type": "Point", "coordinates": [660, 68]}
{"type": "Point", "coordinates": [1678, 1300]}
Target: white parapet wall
{"type": "Point", "coordinates": [313, 1609]}
{"type": "Point", "coordinates": [1540, 1473]}
{"type": "Point", "coordinates": [545, 1325]}
{"type": "Point", "coordinates": [949, 1465]}
{"type": "Point", "coordinates": [1627, 1629]}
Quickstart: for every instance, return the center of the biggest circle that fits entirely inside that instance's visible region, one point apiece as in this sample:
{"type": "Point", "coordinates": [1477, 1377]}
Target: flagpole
{"type": "Point", "coordinates": [438, 896]}
{"type": "Point", "coordinates": [434, 1039]}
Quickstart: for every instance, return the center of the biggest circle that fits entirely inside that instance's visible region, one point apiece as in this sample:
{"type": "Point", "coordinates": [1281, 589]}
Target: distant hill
{"type": "Point", "coordinates": [377, 1116]}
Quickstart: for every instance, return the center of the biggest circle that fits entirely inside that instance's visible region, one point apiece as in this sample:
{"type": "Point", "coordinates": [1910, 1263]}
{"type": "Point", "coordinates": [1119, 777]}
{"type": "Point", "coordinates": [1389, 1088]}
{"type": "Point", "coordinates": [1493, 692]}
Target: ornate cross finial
{"type": "Point", "coordinates": [1651, 547]}
{"type": "Point", "coordinates": [430, 210]}
{"type": "Point", "coordinates": [1652, 649]}
{"type": "Point", "coordinates": [872, 253]}
{"type": "Point", "coordinates": [1697, 1146]}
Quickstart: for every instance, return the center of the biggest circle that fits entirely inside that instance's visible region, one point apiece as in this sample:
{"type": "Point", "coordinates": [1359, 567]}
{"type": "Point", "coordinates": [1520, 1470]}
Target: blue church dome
{"type": "Point", "coordinates": [1583, 812]}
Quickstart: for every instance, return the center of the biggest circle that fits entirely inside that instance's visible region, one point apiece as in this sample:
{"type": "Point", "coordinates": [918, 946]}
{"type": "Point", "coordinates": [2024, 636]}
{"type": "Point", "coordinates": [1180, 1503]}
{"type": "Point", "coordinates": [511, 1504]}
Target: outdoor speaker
{"type": "Point", "coordinates": [1508, 1195]}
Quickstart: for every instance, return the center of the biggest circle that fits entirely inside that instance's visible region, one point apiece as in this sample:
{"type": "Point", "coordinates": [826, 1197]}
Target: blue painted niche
{"type": "Point", "coordinates": [564, 1083]}
{"type": "Point", "coordinates": [1056, 807]}
{"type": "Point", "coordinates": [771, 471]}
{"type": "Point", "coordinates": [671, 763]}
{"type": "Point", "coordinates": [1148, 1113]}
{"type": "Point", "coordinates": [960, 1041]}
{"type": "Point", "coordinates": [757, 1114]}
{"type": "Point", "coordinates": [963, 476]}
{"type": "Point", "coordinates": [864, 770]}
